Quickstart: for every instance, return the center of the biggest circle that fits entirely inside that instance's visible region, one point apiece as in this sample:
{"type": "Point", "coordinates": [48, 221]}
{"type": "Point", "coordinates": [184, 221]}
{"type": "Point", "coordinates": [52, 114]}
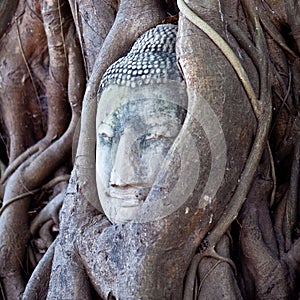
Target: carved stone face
{"type": "Point", "coordinates": [135, 130]}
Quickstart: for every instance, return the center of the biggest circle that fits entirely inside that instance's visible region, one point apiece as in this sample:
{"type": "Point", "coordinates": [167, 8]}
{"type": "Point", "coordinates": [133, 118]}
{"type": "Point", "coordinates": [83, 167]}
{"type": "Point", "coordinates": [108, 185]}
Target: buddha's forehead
{"type": "Point", "coordinates": [143, 114]}
{"type": "Point", "coordinates": [145, 100]}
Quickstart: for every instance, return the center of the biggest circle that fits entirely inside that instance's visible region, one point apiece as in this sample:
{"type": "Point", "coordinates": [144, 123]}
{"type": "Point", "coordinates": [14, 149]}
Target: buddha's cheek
{"type": "Point", "coordinates": [103, 168]}
{"type": "Point", "coordinates": [151, 160]}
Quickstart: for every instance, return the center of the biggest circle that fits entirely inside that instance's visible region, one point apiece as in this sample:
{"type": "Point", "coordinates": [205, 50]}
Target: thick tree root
{"type": "Point", "coordinates": [28, 173]}
{"type": "Point", "coordinates": [266, 274]}
{"type": "Point", "coordinates": [50, 211]}
{"type": "Point", "coordinates": [37, 287]}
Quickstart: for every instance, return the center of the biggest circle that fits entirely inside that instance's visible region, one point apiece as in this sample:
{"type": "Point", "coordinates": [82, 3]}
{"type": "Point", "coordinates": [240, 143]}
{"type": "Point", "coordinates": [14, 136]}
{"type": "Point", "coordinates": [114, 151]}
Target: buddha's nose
{"type": "Point", "coordinates": [125, 170]}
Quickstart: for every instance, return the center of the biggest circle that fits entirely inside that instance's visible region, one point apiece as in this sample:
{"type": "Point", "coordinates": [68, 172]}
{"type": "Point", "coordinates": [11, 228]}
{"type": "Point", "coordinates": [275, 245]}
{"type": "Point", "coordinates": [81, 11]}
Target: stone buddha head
{"type": "Point", "coordinates": [142, 105]}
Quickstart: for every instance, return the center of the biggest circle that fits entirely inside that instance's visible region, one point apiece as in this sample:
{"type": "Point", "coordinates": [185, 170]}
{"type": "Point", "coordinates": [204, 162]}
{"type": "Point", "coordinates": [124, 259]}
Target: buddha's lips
{"type": "Point", "coordinates": [129, 194]}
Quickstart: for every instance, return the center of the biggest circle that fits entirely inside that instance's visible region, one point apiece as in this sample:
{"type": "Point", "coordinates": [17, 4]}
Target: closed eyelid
{"type": "Point", "coordinates": [151, 136]}
{"type": "Point", "coordinates": [164, 131]}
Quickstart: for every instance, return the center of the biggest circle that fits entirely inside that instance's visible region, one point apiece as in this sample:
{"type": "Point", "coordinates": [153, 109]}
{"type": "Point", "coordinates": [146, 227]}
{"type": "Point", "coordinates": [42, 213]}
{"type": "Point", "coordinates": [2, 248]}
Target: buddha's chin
{"type": "Point", "coordinates": [120, 210]}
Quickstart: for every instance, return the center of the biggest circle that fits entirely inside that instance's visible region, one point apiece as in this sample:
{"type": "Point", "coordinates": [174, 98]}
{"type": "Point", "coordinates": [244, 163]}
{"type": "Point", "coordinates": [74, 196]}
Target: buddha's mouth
{"type": "Point", "coordinates": [129, 196]}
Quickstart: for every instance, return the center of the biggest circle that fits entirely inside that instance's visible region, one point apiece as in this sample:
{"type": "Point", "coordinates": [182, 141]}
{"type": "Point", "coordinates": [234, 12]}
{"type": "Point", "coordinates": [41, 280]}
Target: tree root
{"type": "Point", "coordinates": [29, 172]}
{"type": "Point", "coordinates": [56, 83]}
{"type": "Point", "coordinates": [262, 266]}
{"type": "Point", "coordinates": [293, 10]}
{"type": "Point", "coordinates": [19, 81]}
{"type": "Point", "coordinates": [101, 18]}
{"type": "Point", "coordinates": [191, 277]}
{"type": "Point", "coordinates": [37, 286]}
{"type": "Point", "coordinates": [16, 183]}
{"type": "Point", "coordinates": [262, 109]}
{"type": "Point", "coordinates": [50, 211]}
{"type": "Point", "coordinates": [226, 50]}
{"type": "Point", "coordinates": [292, 257]}
{"type": "Point", "coordinates": [42, 243]}
{"type": "Point", "coordinates": [202, 268]}
{"type": "Point", "coordinates": [32, 192]}
{"type": "Point", "coordinates": [40, 146]}
{"type": "Point", "coordinates": [7, 10]}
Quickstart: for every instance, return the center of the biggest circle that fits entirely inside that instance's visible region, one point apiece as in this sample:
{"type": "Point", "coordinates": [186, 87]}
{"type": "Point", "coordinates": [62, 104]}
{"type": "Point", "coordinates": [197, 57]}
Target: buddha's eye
{"type": "Point", "coordinates": [104, 138]}
{"type": "Point", "coordinates": [155, 137]}
{"type": "Point", "coordinates": [105, 134]}
{"type": "Point", "coordinates": [161, 133]}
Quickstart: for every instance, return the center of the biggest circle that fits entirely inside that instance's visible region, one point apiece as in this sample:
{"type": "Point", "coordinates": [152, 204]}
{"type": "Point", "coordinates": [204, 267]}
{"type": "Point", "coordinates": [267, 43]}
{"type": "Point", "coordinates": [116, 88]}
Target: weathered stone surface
{"type": "Point", "coordinates": [142, 104]}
